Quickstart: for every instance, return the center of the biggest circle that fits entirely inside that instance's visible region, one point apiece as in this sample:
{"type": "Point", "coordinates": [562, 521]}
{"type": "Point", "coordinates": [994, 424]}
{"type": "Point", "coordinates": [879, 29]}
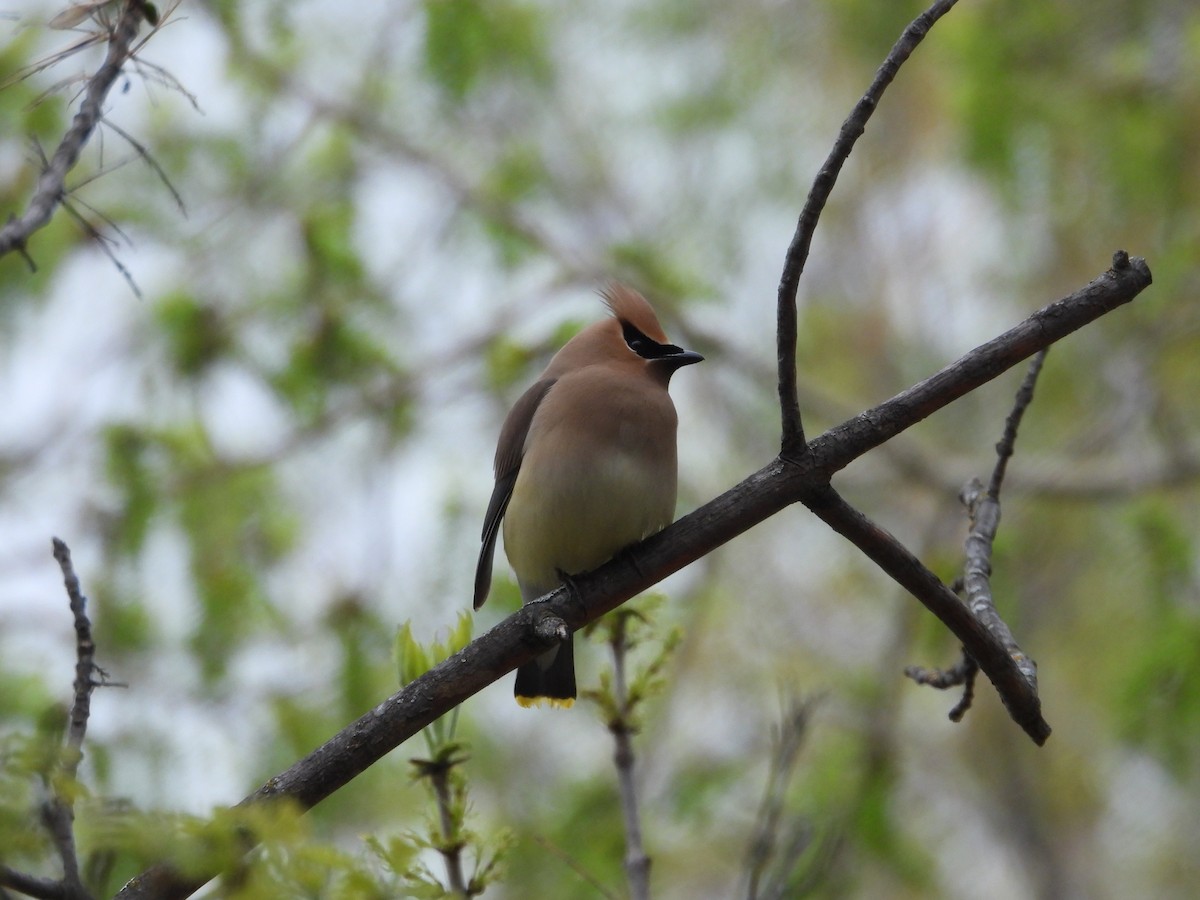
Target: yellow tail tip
{"type": "Point", "coordinates": [555, 702]}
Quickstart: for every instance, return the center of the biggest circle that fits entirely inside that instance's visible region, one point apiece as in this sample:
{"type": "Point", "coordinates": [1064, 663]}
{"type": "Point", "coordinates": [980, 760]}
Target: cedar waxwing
{"type": "Point", "coordinates": [585, 466]}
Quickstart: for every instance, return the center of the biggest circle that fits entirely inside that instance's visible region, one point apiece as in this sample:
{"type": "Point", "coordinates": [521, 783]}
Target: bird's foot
{"type": "Point", "coordinates": [568, 582]}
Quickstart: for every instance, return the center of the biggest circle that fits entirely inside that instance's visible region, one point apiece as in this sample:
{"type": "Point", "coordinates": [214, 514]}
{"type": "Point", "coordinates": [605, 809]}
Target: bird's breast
{"type": "Point", "coordinates": [591, 484]}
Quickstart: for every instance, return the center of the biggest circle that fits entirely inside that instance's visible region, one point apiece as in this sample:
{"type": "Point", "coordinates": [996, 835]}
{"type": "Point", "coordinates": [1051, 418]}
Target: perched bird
{"type": "Point", "coordinates": [585, 466]}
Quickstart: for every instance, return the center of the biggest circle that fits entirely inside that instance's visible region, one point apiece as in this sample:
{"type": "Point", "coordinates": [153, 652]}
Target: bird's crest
{"type": "Point", "coordinates": [630, 306]}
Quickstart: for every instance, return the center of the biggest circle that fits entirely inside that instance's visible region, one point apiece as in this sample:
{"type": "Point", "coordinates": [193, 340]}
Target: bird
{"type": "Point", "coordinates": [585, 465]}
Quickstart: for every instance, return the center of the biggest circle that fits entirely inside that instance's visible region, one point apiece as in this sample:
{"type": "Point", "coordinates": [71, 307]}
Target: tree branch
{"type": "Point", "coordinates": [983, 510]}
{"type": "Point", "coordinates": [51, 186]}
{"type": "Point", "coordinates": [621, 726]}
{"type": "Point", "coordinates": [793, 443]}
{"type": "Point", "coordinates": [962, 672]}
{"type": "Point", "coordinates": [778, 485]}
{"type": "Point", "coordinates": [452, 844]}
{"type": "Point", "coordinates": [767, 865]}
{"type": "Point", "coordinates": [58, 809]}
{"type": "Point", "coordinates": [840, 446]}
{"type": "Point", "coordinates": [31, 886]}
{"type": "Point", "coordinates": [1008, 441]}
{"type": "Point", "coordinates": [1009, 674]}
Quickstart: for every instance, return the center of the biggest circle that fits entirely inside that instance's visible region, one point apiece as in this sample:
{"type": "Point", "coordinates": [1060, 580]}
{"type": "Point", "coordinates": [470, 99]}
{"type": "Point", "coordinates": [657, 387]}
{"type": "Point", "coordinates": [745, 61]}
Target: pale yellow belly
{"type": "Point", "coordinates": [575, 522]}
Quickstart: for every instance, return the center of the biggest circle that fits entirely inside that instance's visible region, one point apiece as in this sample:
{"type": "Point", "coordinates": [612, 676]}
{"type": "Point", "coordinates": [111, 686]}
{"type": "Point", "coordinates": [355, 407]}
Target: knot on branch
{"type": "Point", "coordinates": [549, 630]}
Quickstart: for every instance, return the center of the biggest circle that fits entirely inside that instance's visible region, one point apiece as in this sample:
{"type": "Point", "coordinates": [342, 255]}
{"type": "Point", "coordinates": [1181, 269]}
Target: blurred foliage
{"type": "Point", "coordinates": [475, 43]}
{"type": "Point", "coordinates": [634, 632]}
{"type": "Point", "coordinates": [394, 216]}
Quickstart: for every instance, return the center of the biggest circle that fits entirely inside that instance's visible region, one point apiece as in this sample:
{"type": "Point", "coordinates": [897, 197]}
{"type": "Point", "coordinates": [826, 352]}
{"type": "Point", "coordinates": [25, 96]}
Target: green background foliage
{"type": "Point", "coordinates": [281, 450]}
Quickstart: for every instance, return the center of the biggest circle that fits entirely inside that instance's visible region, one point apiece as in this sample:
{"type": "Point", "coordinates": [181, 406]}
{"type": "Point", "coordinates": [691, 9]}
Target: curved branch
{"type": "Point", "coordinates": [792, 443]}
{"type": "Point", "coordinates": [51, 186]}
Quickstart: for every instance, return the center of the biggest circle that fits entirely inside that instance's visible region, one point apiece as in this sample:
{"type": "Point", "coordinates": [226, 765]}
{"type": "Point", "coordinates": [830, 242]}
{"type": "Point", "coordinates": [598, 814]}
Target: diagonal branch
{"type": "Point", "coordinates": [793, 445]}
{"type": "Point", "coordinates": [516, 640]}
{"type": "Point", "coordinates": [840, 446]}
{"type": "Point", "coordinates": [1013, 682]}
{"type": "Point", "coordinates": [51, 186]}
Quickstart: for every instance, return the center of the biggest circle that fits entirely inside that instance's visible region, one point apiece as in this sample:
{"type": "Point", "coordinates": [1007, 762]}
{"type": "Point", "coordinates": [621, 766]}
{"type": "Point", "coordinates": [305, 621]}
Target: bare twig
{"type": "Point", "coordinates": [961, 673]}
{"type": "Point", "coordinates": [983, 509]}
{"type": "Point", "coordinates": [51, 186]}
{"type": "Point", "coordinates": [985, 520]}
{"type": "Point", "coordinates": [1008, 441]}
{"type": "Point", "coordinates": [622, 727]}
{"type": "Point", "coordinates": [58, 810]}
{"type": "Point", "coordinates": [793, 444]}
{"type": "Point", "coordinates": [149, 160]}
{"type": "Point", "coordinates": [576, 866]}
{"type": "Point", "coordinates": [765, 845]}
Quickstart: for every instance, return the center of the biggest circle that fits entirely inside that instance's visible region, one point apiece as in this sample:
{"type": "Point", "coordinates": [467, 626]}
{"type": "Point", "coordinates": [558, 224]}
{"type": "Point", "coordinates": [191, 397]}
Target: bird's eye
{"type": "Point", "coordinates": [638, 342]}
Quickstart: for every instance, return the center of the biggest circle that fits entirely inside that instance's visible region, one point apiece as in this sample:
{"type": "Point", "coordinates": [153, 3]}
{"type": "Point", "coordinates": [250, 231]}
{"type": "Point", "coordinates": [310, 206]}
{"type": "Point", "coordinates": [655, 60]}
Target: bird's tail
{"type": "Point", "coordinates": [550, 678]}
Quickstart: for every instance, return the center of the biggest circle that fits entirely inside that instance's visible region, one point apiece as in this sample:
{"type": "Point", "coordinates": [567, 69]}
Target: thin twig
{"type": "Point", "coordinates": [983, 508]}
{"type": "Point", "coordinates": [793, 443]}
{"type": "Point", "coordinates": [576, 866]}
{"type": "Point", "coordinates": [452, 845]}
{"type": "Point", "coordinates": [961, 673]}
{"type": "Point", "coordinates": [984, 512]}
{"type": "Point", "coordinates": [764, 845]}
{"type": "Point", "coordinates": [59, 812]}
{"type": "Point", "coordinates": [149, 160]}
{"type": "Point", "coordinates": [51, 186]}
{"type": "Point", "coordinates": [637, 863]}
{"type": "Point", "coordinates": [1004, 449]}
{"type": "Point", "coordinates": [104, 242]}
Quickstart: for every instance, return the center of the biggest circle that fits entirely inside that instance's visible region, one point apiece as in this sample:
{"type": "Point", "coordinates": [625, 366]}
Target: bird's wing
{"type": "Point", "coordinates": [509, 451]}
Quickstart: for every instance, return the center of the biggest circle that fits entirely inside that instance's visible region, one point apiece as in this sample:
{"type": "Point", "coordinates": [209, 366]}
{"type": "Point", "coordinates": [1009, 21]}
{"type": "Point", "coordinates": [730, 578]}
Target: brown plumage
{"type": "Point", "coordinates": [585, 466]}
